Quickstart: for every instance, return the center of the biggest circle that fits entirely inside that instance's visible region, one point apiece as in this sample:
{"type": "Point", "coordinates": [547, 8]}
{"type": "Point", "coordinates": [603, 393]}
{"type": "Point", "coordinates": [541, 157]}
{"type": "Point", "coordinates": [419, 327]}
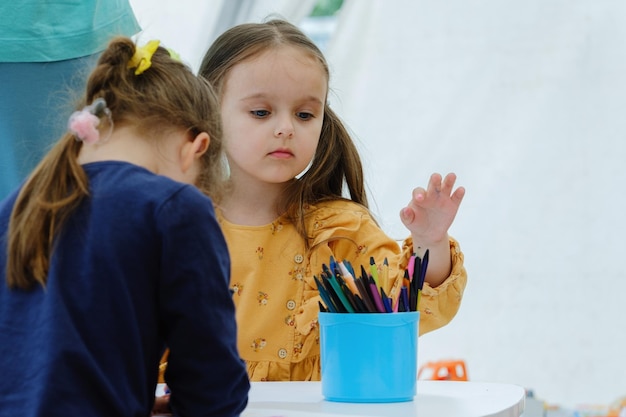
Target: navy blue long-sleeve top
{"type": "Point", "coordinates": [141, 265]}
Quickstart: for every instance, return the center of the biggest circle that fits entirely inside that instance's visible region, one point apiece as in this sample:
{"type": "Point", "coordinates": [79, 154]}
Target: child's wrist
{"type": "Point", "coordinates": [420, 244]}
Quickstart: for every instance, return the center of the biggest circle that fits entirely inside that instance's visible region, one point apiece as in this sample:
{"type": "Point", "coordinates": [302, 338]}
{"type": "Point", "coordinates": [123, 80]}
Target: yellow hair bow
{"type": "Point", "coordinates": [142, 59]}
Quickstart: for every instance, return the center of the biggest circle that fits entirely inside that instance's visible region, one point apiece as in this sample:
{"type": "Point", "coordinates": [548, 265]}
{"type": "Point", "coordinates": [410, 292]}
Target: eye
{"type": "Point", "coordinates": [260, 113]}
{"type": "Point", "coordinates": [304, 115]}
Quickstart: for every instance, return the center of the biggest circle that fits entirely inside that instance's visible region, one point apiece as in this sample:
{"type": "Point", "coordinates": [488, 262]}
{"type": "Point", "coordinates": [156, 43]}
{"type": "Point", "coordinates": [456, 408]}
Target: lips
{"type": "Point", "coordinates": [281, 153]}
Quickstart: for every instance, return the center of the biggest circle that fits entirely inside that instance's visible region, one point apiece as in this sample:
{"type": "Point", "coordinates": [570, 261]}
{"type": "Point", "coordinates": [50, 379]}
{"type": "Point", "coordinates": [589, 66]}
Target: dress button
{"type": "Point", "coordinates": [298, 258]}
{"type": "Point", "coordinates": [291, 305]}
{"type": "Point", "coordinates": [282, 353]}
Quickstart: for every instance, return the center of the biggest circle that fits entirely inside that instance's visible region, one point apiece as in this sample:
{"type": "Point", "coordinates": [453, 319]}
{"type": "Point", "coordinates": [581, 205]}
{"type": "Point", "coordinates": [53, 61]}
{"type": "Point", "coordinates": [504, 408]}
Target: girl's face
{"type": "Point", "coordinates": [272, 112]}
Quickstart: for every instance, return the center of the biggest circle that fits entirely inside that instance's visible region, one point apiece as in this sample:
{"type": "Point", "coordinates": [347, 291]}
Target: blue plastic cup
{"type": "Point", "coordinates": [369, 357]}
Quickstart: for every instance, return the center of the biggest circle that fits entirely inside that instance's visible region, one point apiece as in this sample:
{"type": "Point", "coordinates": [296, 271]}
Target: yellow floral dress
{"type": "Point", "coordinates": [276, 297]}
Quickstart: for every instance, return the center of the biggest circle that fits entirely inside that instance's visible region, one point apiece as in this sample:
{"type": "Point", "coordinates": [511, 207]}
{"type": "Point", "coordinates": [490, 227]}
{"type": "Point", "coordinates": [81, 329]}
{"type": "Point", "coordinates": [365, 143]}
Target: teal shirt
{"type": "Point", "coordinates": [55, 30]}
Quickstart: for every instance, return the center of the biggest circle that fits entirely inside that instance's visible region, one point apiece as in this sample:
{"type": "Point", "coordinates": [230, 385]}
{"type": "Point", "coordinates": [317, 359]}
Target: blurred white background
{"type": "Point", "coordinates": [526, 103]}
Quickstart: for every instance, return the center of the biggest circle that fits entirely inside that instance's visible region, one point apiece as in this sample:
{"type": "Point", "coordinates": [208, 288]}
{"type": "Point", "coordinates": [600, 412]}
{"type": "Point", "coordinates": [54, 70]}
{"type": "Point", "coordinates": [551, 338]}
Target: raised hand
{"type": "Point", "coordinates": [430, 213]}
{"type": "Point", "coordinates": [428, 216]}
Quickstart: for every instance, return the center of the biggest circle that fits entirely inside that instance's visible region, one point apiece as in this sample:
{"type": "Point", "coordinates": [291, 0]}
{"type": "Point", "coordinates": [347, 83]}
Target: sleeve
{"type": "Point", "coordinates": [345, 231]}
{"type": "Point", "coordinates": [439, 305]}
{"type": "Point", "coordinates": [205, 373]}
{"type": "Point", "coordinates": [352, 234]}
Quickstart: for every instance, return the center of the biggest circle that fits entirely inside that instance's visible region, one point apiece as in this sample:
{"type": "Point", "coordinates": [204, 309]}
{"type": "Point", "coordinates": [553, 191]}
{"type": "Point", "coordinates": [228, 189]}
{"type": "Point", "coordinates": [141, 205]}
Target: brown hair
{"type": "Point", "coordinates": [166, 96]}
{"type": "Point", "coordinates": [336, 162]}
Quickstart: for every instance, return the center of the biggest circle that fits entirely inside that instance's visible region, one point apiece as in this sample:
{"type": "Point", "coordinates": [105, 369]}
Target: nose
{"type": "Point", "coordinates": [284, 128]}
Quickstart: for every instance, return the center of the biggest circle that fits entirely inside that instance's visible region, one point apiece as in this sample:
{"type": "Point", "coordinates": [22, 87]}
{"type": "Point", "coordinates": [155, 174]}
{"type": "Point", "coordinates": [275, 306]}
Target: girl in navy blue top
{"type": "Point", "coordinates": [109, 254]}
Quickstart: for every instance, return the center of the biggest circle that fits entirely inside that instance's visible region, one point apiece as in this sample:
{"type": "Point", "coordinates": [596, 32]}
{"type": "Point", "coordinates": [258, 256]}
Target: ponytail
{"type": "Point", "coordinates": [56, 186]}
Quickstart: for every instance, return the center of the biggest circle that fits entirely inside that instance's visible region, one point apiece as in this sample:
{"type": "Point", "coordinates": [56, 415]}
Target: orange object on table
{"type": "Point", "coordinates": [448, 370]}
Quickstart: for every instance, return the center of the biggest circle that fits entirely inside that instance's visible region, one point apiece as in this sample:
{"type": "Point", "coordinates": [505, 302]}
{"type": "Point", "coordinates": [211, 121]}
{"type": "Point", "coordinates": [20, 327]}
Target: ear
{"type": "Point", "coordinates": [193, 150]}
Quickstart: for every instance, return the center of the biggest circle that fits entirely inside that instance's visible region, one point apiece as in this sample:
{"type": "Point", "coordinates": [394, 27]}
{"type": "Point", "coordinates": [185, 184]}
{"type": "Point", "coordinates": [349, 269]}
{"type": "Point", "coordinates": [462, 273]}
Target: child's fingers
{"type": "Point", "coordinates": [418, 195]}
{"type": "Point", "coordinates": [438, 188]}
{"type": "Point", "coordinates": [407, 215]}
{"type": "Point", "coordinates": [434, 183]}
{"type": "Point", "coordinates": [448, 183]}
{"type": "Point", "coordinates": [162, 405]}
{"type": "Point", "coordinates": [458, 195]}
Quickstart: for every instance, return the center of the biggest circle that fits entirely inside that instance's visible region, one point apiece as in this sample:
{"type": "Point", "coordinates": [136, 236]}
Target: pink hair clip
{"type": "Point", "coordinates": [84, 123]}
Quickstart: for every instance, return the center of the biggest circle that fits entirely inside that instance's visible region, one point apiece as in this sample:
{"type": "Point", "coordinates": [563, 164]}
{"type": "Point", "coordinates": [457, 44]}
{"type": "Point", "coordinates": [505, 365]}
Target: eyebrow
{"type": "Point", "coordinates": [263, 95]}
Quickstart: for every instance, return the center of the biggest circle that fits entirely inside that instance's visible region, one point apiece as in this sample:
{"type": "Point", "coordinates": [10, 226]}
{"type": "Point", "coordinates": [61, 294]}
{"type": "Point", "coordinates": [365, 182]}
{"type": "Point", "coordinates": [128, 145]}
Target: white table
{"type": "Point", "coordinates": [434, 399]}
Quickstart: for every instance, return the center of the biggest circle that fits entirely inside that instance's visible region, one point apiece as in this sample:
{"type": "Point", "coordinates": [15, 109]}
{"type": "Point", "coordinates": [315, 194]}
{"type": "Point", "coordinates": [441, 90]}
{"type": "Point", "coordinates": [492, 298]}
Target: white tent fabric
{"type": "Point", "coordinates": [525, 101]}
{"type": "Point", "coordinates": [189, 26]}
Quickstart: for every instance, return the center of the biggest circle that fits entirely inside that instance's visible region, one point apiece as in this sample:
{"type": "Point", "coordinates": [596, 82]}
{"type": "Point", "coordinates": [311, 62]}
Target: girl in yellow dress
{"type": "Point", "coordinates": [296, 197]}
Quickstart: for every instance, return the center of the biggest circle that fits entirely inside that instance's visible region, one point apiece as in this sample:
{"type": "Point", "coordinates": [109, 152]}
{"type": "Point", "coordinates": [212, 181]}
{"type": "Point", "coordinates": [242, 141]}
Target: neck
{"type": "Point", "coordinates": [251, 205]}
{"type": "Point", "coordinates": [122, 145]}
